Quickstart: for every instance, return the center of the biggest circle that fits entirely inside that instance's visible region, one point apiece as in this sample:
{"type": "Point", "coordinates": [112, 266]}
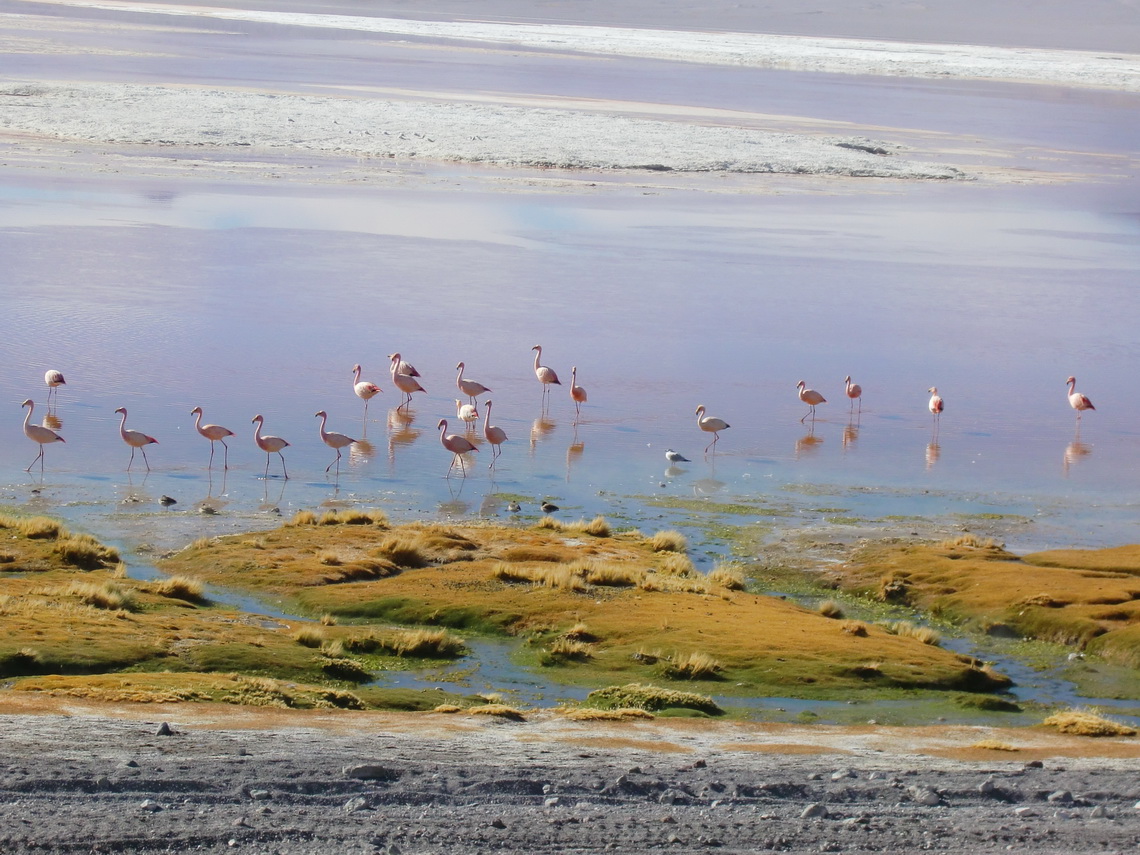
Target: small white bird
{"type": "Point", "coordinates": [854, 391]}
{"type": "Point", "coordinates": [673, 457]}
{"type": "Point", "coordinates": [811, 398]}
{"type": "Point", "coordinates": [470, 388]}
{"type": "Point", "coordinates": [456, 444]}
{"type": "Point", "coordinates": [269, 444]}
{"type": "Point", "coordinates": [135, 439]}
{"type": "Point", "coordinates": [710, 425]}
{"type": "Point", "coordinates": [38, 433]}
{"type": "Point", "coordinates": [466, 413]}
{"type": "Point", "coordinates": [493, 434]}
{"type": "Point", "coordinates": [364, 390]}
{"type": "Point", "coordinates": [333, 440]}
{"type": "Point", "coordinates": [1078, 401]}
{"type": "Point", "coordinates": [214, 433]}
{"type": "Point", "coordinates": [53, 379]}
{"type": "Point", "coordinates": [577, 393]}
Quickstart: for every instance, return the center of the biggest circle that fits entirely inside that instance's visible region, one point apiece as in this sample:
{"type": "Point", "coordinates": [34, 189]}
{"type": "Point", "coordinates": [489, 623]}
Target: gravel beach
{"type": "Point", "coordinates": [83, 778]}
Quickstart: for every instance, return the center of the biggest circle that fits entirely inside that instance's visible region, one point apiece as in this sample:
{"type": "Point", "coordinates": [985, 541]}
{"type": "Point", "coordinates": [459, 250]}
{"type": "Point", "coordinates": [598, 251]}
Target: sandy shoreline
{"type": "Point", "coordinates": [278, 781]}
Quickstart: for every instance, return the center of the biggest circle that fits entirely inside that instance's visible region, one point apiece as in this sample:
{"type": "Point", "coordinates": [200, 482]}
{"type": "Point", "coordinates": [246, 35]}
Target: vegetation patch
{"type": "Point", "coordinates": [1081, 599]}
{"type": "Point", "coordinates": [1087, 723]}
{"type": "Point", "coordinates": [636, 593]}
{"type": "Point", "coordinates": [650, 699]}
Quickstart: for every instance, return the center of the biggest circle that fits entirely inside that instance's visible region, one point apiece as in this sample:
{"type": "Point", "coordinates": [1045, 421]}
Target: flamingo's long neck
{"type": "Point", "coordinates": [324, 433]}
{"type": "Point", "coordinates": [198, 422]}
{"type": "Point", "coordinates": [356, 375]}
{"type": "Point", "coordinates": [28, 417]}
{"type": "Point", "coordinates": [257, 433]}
{"type": "Point", "coordinates": [122, 426]}
{"type": "Point", "coordinates": [1072, 385]}
{"type": "Point", "coordinates": [537, 356]}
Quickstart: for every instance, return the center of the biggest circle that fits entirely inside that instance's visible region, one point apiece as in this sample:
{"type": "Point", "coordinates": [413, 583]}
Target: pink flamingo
{"type": "Point", "coordinates": [545, 375]}
{"type": "Point", "coordinates": [364, 390]}
{"type": "Point", "coordinates": [1078, 401]}
{"type": "Point", "coordinates": [456, 444]}
{"type": "Point", "coordinates": [214, 433]}
{"type": "Point", "coordinates": [710, 425]}
{"type": "Point", "coordinates": [333, 440]}
{"type": "Point", "coordinates": [577, 393]}
{"type": "Point", "coordinates": [53, 379]}
{"type": "Point", "coordinates": [854, 391]}
{"type": "Point", "coordinates": [38, 433]}
{"type": "Point", "coordinates": [269, 444]}
{"type": "Point", "coordinates": [135, 439]}
{"type": "Point", "coordinates": [811, 398]}
{"type": "Point", "coordinates": [936, 406]}
{"type": "Point", "coordinates": [404, 367]}
{"type": "Point", "coordinates": [403, 380]}
{"type": "Point", "coordinates": [493, 434]}
{"type": "Point", "coordinates": [470, 388]}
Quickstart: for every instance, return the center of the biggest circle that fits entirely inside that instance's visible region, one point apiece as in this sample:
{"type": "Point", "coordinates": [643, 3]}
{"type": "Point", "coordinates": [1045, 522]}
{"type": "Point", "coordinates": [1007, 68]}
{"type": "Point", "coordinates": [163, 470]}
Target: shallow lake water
{"type": "Point", "coordinates": [246, 300]}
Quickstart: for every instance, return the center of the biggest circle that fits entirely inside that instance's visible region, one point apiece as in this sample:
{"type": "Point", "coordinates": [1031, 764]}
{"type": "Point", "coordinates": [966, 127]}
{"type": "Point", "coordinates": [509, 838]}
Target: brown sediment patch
{"type": "Point", "coordinates": [786, 748]}
{"type": "Point", "coordinates": [611, 743]}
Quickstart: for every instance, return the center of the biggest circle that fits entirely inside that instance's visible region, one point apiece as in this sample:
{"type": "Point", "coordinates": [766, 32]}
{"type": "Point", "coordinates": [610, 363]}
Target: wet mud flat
{"type": "Point", "coordinates": [100, 779]}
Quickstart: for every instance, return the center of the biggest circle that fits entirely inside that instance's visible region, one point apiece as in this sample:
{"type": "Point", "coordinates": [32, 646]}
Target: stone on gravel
{"type": "Point", "coordinates": [814, 811]}
{"type": "Point", "coordinates": [164, 729]}
{"type": "Point", "coordinates": [370, 772]}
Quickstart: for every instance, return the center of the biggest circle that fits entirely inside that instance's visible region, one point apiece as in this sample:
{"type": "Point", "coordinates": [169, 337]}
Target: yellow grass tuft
{"type": "Point", "coordinates": [402, 551]}
{"type": "Point", "coordinates": [563, 649]}
{"type": "Point", "coordinates": [448, 708]}
{"type": "Point", "coordinates": [994, 745]}
{"type": "Point", "coordinates": [303, 518]}
{"type": "Point", "coordinates": [309, 636]}
{"type": "Point", "coordinates": [597, 527]}
{"type": "Point", "coordinates": [329, 558]}
{"type": "Point", "coordinates": [677, 565]}
{"type": "Point", "coordinates": [693, 666]}
{"type": "Point", "coordinates": [727, 576]}
{"type": "Point", "coordinates": [579, 632]}
{"type": "Point", "coordinates": [588, 714]}
{"type": "Point", "coordinates": [830, 609]}
{"type": "Point", "coordinates": [906, 629]}
{"type": "Point", "coordinates": [497, 710]}
{"type": "Point", "coordinates": [614, 574]}
{"type": "Point", "coordinates": [856, 628]}
{"type": "Point", "coordinates": [550, 524]}
{"type": "Point", "coordinates": [328, 619]}
{"type": "Point", "coordinates": [1087, 723]}
{"type": "Point", "coordinates": [180, 588]}
{"type": "Point", "coordinates": [104, 596]}
{"type": "Point", "coordinates": [969, 541]}
{"type": "Point", "coordinates": [33, 528]}
{"type": "Point", "coordinates": [428, 643]}
{"type": "Point", "coordinates": [85, 552]}
{"type": "Point", "coordinates": [668, 541]}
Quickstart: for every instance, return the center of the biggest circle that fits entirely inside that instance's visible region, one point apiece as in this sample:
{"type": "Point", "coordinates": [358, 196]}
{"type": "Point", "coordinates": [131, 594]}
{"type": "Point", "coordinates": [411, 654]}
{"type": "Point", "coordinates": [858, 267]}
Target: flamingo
{"type": "Point", "coordinates": [38, 433]}
{"type": "Point", "coordinates": [269, 444]}
{"type": "Point", "coordinates": [364, 390]}
{"type": "Point", "coordinates": [711, 425]}
{"type": "Point", "coordinates": [545, 375]}
{"type": "Point", "coordinates": [214, 433]}
{"type": "Point", "coordinates": [811, 398]}
{"type": "Point", "coordinates": [333, 440]}
{"type": "Point", "coordinates": [577, 393]}
{"type": "Point", "coordinates": [53, 379]}
{"type": "Point", "coordinates": [135, 439]}
{"type": "Point", "coordinates": [854, 391]}
{"type": "Point", "coordinates": [1078, 401]}
{"type": "Point", "coordinates": [936, 405]}
{"type": "Point", "coordinates": [456, 444]}
{"type": "Point", "coordinates": [493, 434]}
{"type": "Point", "coordinates": [468, 387]}
{"type": "Point", "coordinates": [403, 380]}
{"type": "Point", "coordinates": [466, 413]}
{"type": "Point", "coordinates": [403, 367]}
